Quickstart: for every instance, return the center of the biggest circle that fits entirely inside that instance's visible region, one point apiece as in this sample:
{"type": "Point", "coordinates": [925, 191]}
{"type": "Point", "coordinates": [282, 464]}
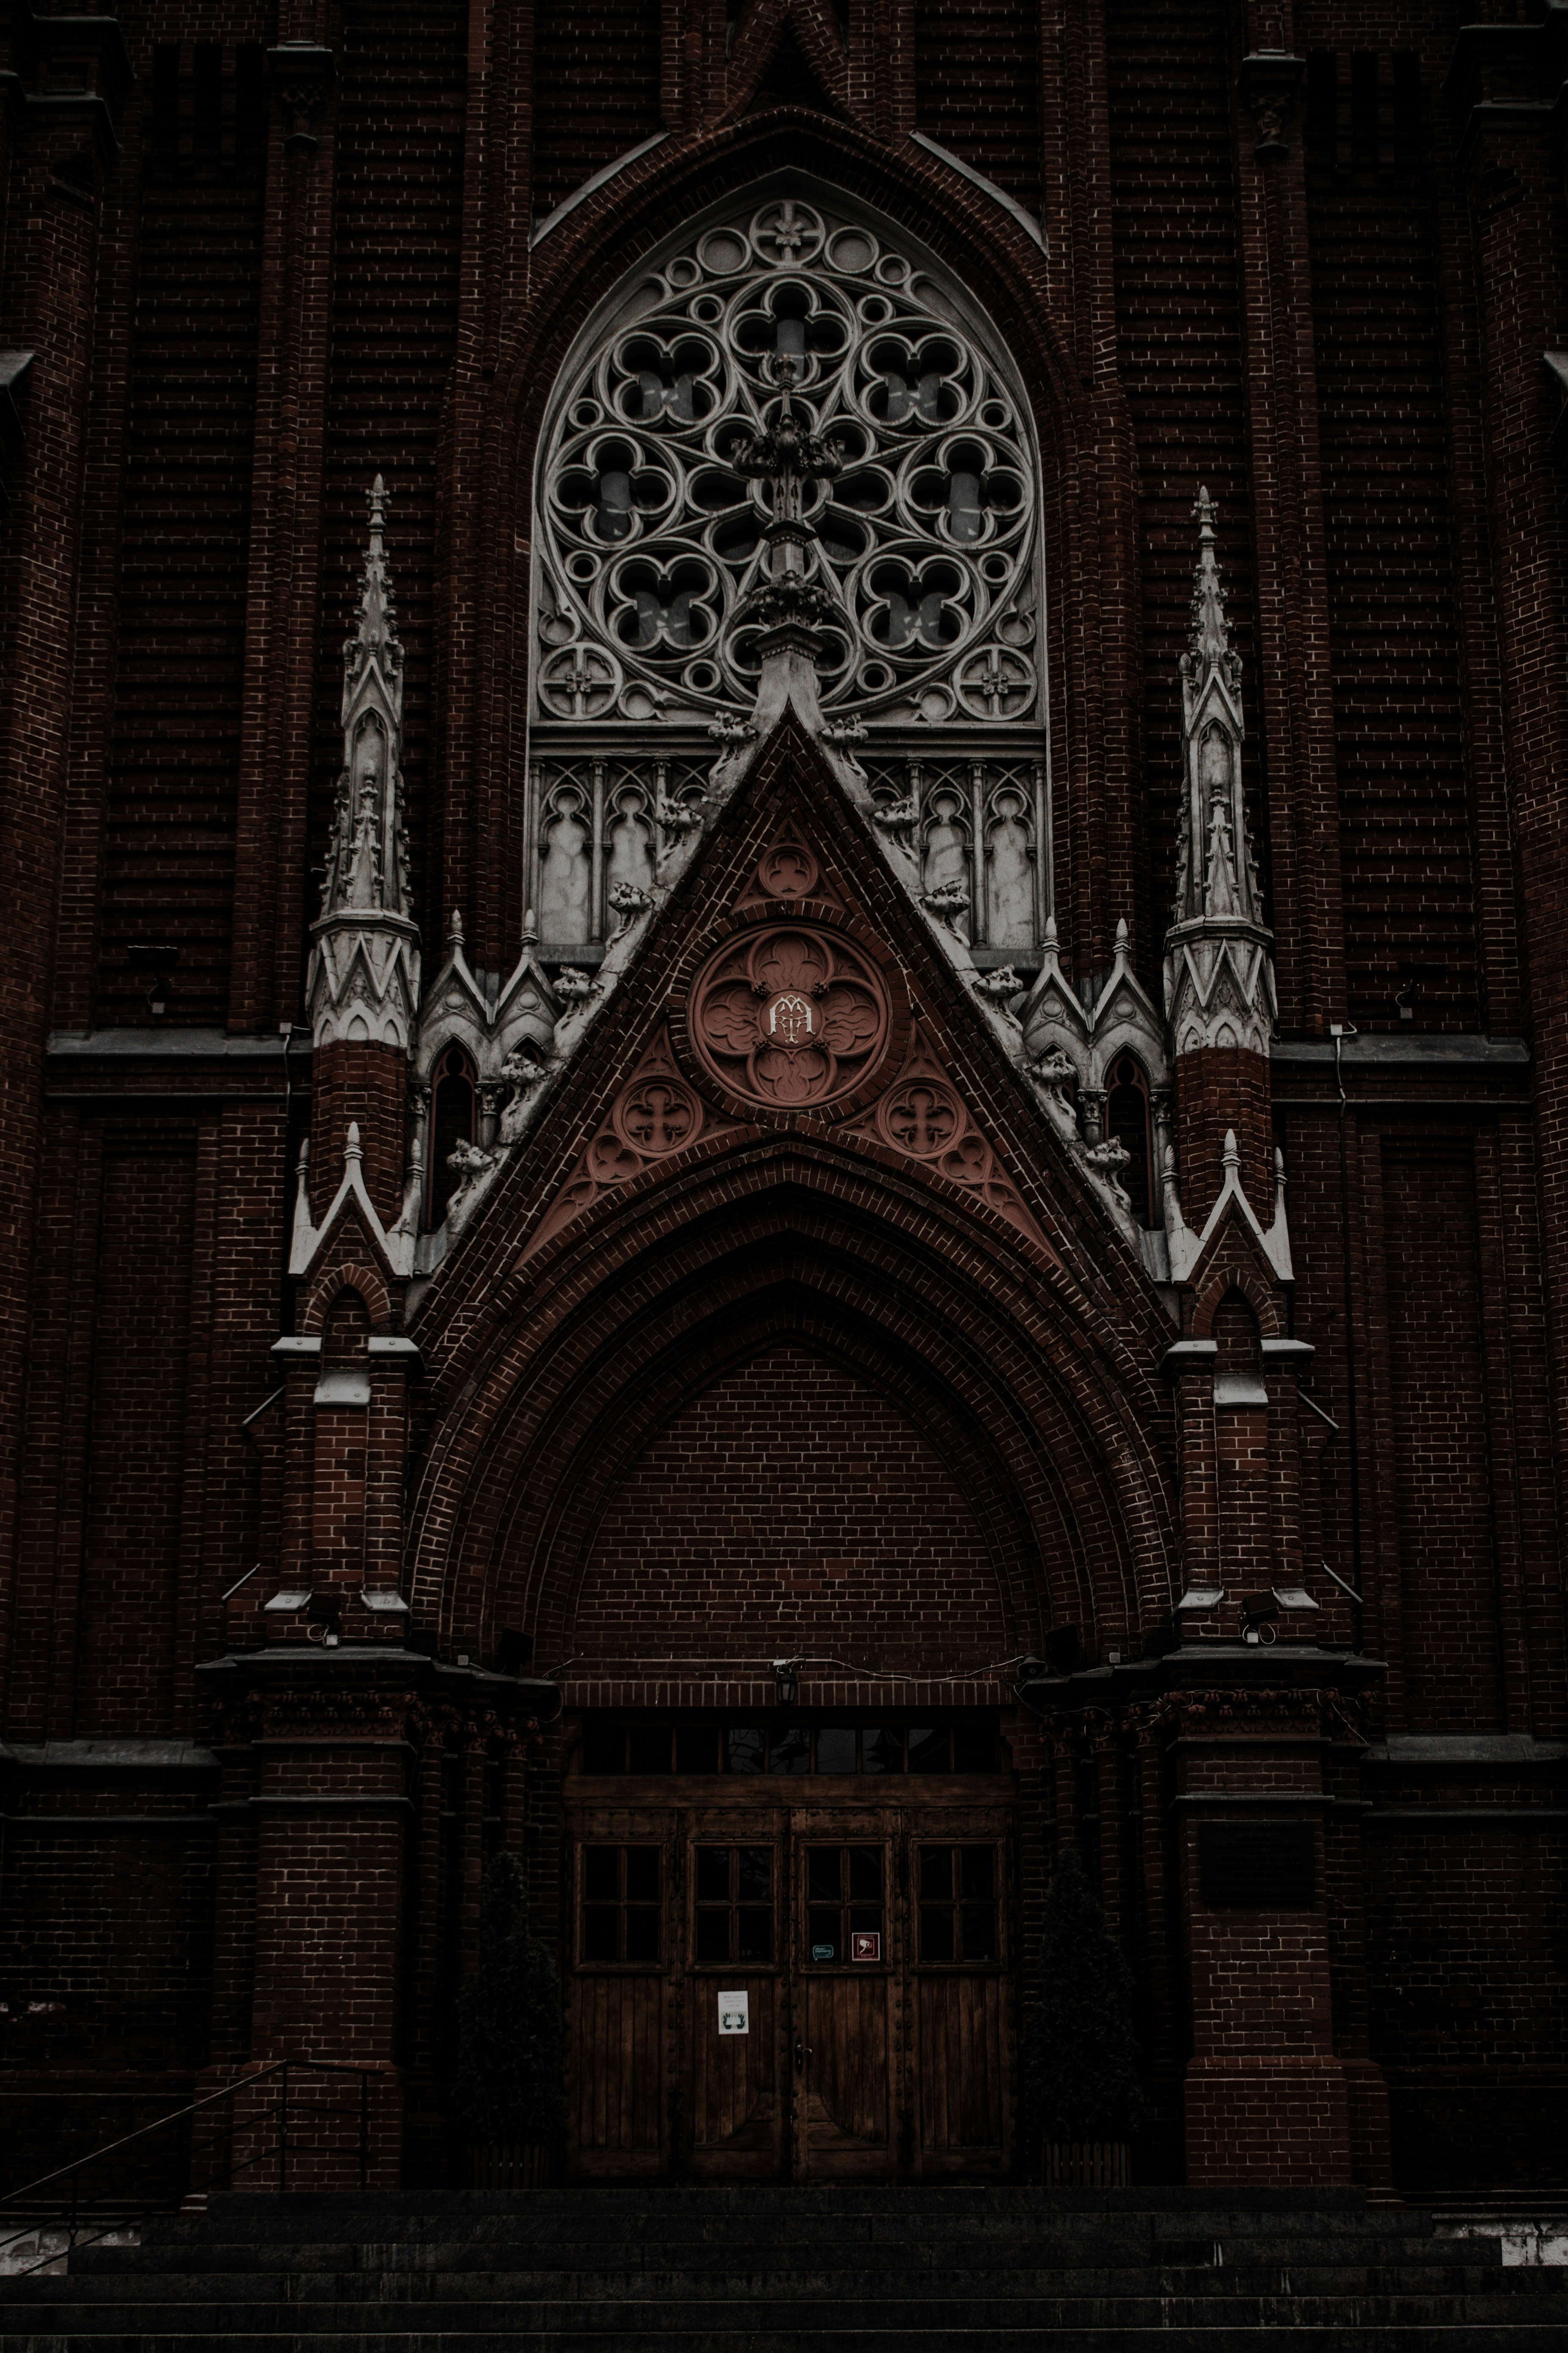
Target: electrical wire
{"type": "Point", "coordinates": [846, 1666]}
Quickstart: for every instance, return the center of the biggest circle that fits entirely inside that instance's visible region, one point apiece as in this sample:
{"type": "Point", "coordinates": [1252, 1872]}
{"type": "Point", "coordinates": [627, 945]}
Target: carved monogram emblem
{"type": "Point", "coordinates": [789, 1018]}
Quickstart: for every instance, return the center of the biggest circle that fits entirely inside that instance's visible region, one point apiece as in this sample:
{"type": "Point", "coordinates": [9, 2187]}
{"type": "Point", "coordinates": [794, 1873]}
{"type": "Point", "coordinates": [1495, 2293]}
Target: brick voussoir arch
{"type": "Point", "coordinates": [540, 1554]}
{"type": "Point", "coordinates": [639, 1373]}
{"type": "Point", "coordinates": [1124, 1398]}
{"type": "Point", "coordinates": [1084, 1427]}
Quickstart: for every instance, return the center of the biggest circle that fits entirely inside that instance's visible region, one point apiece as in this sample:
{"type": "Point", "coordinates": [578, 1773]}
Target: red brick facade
{"type": "Point", "coordinates": [883, 1379]}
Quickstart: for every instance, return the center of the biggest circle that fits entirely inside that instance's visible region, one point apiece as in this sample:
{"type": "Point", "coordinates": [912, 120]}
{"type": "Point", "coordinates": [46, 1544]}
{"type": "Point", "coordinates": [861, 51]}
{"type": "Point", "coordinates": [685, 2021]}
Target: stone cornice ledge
{"type": "Point", "coordinates": [1432, 1049]}
{"type": "Point", "coordinates": [135, 1044]}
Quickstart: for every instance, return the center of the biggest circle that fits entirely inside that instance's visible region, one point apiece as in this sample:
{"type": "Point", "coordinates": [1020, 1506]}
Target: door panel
{"type": "Point", "coordinates": [621, 1916]}
{"type": "Point", "coordinates": [615, 2076]}
{"type": "Point", "coordinates": [847, 2069]}
{"type": "Point", "coordinates": [847, 2126]}
{"type": "Point", "coordinates": [890, 2066]}
{"type": "Point", "coordinates": [737, 2116]}
{"type": "Point", "coordinates": [960, 2008]}
{"type": "Point", "coordinates": [960, 2067]}
{"type": "Point", "coordinates": [736, 1881]}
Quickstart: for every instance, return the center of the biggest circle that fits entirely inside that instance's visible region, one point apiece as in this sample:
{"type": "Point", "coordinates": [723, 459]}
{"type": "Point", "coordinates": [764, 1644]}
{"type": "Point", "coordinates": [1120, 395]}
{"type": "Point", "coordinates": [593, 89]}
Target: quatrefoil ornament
{"type": "Point", "coordinates": [790, 1018]}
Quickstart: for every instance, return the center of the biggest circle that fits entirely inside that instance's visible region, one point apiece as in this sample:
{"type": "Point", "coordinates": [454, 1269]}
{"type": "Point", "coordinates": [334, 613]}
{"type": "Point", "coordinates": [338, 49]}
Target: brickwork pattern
{"type": "Point", "coordinates": [235, 320]}
{"type": "Point", "coordinates": [791, 1501]}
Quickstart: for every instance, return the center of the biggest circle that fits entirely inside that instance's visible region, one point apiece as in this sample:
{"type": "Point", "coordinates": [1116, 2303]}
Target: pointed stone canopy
{"type": "Point", "coordinates": [363, 980]}
{"type": "Point", "coordinates": [788, 870]}
{"type": "Point", "coordinates": [1219, 968]}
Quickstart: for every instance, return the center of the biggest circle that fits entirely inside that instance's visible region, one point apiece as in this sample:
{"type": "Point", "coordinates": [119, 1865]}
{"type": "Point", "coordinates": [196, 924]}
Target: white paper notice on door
{"type": "Point", "coordinates": [734, 2014]}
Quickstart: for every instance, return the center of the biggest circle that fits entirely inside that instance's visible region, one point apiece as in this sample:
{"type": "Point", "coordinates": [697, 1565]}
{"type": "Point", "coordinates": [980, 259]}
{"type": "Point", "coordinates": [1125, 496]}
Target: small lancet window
{"type": "Point", "coordinates": [453, 1110]}
{"type": "Point", "coordinates": [1127, 1121]}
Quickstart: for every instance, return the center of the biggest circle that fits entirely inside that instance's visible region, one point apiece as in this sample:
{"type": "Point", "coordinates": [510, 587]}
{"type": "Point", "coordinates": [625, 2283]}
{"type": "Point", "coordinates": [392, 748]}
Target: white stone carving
{"type": "Point", "coordinates": [1118, 1018]}
{"type": "Point", "coordinates": [1050, 1076]}
{"type": "Point", "coordinates": [476, 1170]}
{"type": "Point", "coordinates": [1219, 966]}
{"type": "Point", "coordinates": [949, 903]}
{"type": "Point", "coordinates": [627, 903]}
{"type": "Point", "coordinates": [525, 1076]}
{"type": "Point", "coordinates": [488, 1015]}
{"type": "Point", "coordinates": [1001, 986]}
{"type": "Point", "coordinates": [652, 590]}
{"type": "Point", "coordinates": [1109, 1159]}
{"type": "Point", "coordinates": [363, 982]}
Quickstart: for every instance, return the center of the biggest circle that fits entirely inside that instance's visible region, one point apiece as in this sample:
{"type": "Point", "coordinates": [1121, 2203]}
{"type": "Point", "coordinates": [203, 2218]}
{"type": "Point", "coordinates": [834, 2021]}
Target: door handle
{"type": "Point", "coordinates": [802, 2053]}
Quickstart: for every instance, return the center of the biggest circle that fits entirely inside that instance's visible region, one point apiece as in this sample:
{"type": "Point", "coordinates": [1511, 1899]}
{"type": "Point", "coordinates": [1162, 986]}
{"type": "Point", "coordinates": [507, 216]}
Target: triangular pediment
{"type": "Point", "coordinates": [790, 984]}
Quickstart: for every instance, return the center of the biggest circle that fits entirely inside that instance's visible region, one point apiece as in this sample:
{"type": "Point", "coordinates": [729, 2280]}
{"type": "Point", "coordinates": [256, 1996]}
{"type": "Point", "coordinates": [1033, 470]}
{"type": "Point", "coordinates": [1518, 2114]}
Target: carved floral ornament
{"type": "Point", "coordinates": [650, 531]}
{"type": "Point", "coordinates": [791, 1016]}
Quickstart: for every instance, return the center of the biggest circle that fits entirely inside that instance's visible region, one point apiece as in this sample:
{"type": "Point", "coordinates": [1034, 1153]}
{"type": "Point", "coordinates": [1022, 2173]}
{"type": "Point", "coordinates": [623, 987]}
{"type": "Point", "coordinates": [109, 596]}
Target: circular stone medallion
{"type": "Point", "coordinates": [790, 1018]}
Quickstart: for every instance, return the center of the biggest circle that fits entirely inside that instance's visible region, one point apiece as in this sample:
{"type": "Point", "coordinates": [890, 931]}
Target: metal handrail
{"type": "Point", "coordinates": [66, 2213]}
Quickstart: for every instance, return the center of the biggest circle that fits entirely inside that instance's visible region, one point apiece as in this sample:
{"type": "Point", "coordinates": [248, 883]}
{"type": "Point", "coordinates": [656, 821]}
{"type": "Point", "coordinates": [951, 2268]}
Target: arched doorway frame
{"type": "Point", "coordinates": [1067, 1412]}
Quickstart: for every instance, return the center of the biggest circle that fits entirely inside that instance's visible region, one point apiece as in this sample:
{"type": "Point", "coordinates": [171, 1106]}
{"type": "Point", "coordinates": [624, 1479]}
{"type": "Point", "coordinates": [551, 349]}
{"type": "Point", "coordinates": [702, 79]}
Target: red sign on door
{"type": "Point", "coordinates": [866, 1945]}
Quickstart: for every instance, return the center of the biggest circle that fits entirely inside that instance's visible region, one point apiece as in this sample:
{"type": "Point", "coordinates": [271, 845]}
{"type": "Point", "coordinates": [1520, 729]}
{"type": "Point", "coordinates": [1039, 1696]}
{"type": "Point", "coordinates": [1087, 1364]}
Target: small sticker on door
{"type": "Point", "coordinates": [823, 1952]}
{"type": "Point", "coordinates": [734, 2014]}
{"type": "Point", "coordinates": [866, 1945]}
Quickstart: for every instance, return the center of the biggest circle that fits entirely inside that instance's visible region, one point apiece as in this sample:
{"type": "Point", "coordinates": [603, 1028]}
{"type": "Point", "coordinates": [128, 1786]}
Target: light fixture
{"type": "Point", "coordinates": [1294, 1597]}
{"type": "Point", "coordinates": [1200, 1596]}
{"type": "Point", "coordinates": [1258, 1611]}
{"type": "Point", "coordinates": [385, 1601]}
{"type": "Point", "coordinates": [786, 1675]}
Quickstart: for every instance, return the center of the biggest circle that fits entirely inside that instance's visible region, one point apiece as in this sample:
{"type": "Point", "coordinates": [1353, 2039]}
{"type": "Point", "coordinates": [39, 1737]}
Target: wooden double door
{"type": "Point", "coordinates": [865, 1949]}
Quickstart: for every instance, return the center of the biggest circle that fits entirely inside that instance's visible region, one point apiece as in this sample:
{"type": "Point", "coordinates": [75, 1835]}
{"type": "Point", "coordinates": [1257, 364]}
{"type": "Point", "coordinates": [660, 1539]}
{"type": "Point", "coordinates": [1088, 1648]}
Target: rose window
{"type": "Point", "coordinates": [790, 1019]}
{"type": "Point", "coordinates": [650, 539]}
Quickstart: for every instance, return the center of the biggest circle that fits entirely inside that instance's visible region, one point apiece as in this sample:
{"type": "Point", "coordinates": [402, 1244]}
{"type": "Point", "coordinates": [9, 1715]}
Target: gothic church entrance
{"type": "Point", "coordinates": [791, 1950]}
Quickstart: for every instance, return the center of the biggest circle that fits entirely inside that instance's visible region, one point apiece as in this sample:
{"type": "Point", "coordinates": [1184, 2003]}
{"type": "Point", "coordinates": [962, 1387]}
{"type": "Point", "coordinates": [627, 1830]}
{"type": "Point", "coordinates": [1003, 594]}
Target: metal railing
{"type": "Point", "coordinates": [64, 2202]}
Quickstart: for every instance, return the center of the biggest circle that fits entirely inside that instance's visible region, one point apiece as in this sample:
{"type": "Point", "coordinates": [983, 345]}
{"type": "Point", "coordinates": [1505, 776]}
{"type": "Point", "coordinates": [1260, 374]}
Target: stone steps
{"type": "Point", "coordinates": [770, 2269]}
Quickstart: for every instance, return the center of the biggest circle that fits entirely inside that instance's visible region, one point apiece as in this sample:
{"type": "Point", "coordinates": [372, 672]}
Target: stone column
{"type": "Point", "coordinates": [1245, 1895]}
{"type": "Point", "coordinates": [324, 1738]}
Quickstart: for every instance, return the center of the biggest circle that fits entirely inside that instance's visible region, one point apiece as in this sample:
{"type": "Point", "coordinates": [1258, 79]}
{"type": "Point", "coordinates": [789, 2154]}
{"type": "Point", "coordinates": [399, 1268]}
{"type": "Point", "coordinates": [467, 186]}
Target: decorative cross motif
{"type": "Point", "coordinates": [786, 233]}
{"type": "Point", "coordinates": [924, 1119]}
{"type": "Point", "coordinates": [658, 1116]}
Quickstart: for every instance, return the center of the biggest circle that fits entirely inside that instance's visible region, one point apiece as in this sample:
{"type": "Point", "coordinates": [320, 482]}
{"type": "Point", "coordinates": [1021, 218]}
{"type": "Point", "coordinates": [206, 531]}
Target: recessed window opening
{"type": "Point", "coordinates": [453, 1106]}
{"type": "Point", "coordinates": [1127, 1121]}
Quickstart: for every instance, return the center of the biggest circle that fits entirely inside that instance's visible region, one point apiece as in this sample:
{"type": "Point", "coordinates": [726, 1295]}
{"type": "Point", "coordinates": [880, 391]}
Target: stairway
{"type": "Point", "coordinates": [951, 2270]}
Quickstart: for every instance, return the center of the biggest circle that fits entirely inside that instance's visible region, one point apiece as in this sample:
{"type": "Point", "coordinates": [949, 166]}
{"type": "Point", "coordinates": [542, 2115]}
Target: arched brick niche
{"type": "Point", "coordinates": [793, 1504]}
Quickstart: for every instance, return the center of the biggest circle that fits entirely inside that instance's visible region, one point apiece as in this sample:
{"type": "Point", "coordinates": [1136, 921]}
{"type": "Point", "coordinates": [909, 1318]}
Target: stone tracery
{"type": "Point", "coordinates": [650, 523]}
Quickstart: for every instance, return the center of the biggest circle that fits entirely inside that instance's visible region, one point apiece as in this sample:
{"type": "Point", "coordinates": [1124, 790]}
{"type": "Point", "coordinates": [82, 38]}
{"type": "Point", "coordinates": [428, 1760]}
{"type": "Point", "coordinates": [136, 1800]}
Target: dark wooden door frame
{"type": "Point", "coordinates": [655, 2092]}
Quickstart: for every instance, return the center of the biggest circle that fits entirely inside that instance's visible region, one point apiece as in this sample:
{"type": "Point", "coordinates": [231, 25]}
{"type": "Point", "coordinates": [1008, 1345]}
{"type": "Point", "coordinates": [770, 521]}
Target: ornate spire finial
{"type": "Point", "coordinates": [1209, 647]}
{"type": "Point", "coordinates": [1219, 977]}
{"type": "Point", "coordinates": [366, 923]}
